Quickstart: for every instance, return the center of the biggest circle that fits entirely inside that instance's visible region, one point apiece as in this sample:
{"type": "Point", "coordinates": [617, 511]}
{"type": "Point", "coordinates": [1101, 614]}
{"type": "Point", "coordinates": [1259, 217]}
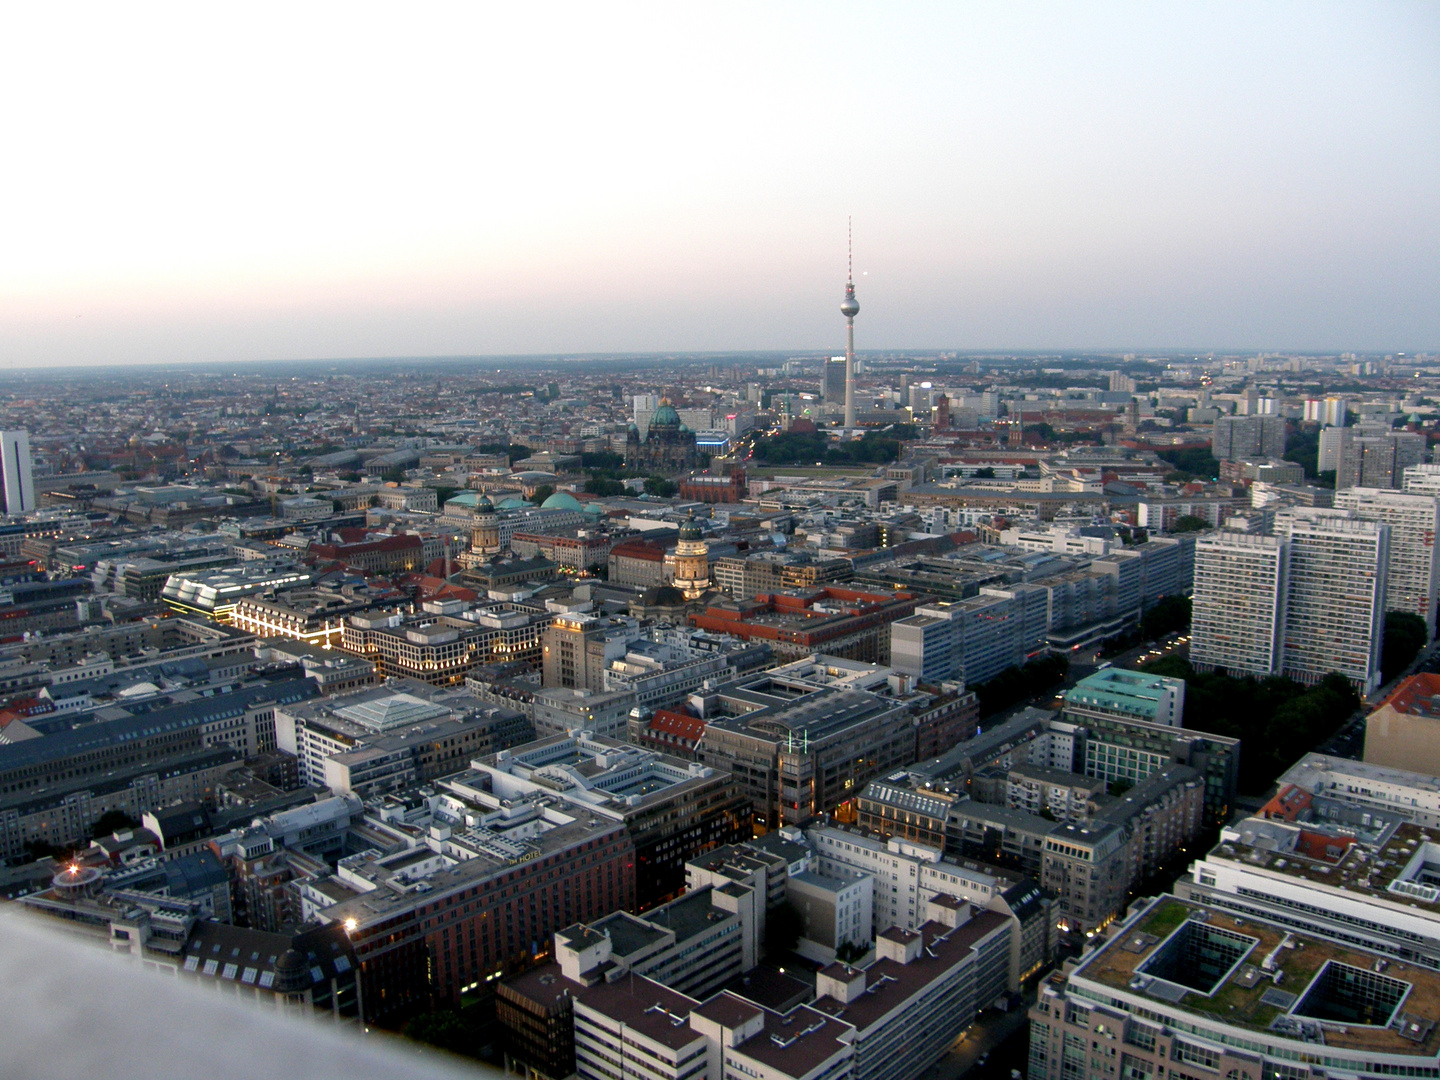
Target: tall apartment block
{"type": "Point", "coordinates": [1308, 601]}
{"type": "Point", "coordinates": [832, 387]}
{"type": "Point", "coordinates": [1236, 437]}
{"type": "Point", "coordinates": [19, 485]}
{"type": "Point", "coordinates": [1238, 603]}
{"type": "Point", "coordinates": [1421, 479]}
{"type": "Point", "coordinates": [1334, 596]}
{"type": "Point", "coordinates": [1413, 570]}
{"type": "Point", "coordinates": [1332, 448]}
{"type": "Point", "coordinates": [1377, 458]}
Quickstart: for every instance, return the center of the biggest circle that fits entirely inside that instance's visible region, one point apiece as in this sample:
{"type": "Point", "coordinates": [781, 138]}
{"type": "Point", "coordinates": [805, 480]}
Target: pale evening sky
{"type": "Point", "coordinates": [233, 182]}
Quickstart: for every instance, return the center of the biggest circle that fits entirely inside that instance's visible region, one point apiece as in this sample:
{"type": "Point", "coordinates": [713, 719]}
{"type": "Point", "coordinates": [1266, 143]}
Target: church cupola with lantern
{"type": "Point", "coordinates": [691, 560]}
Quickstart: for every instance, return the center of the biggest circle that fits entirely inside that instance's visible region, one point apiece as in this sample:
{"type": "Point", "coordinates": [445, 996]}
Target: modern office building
{"type": "Point", "coordinates": [467, 890]}
{"type": "Point", "coordinates": [15, 472]}
{"type": "Point", "coordinates": [1345, 849]}
{"type": "Point", "coordinates": [214, 593]}
{"type": "Point", "coordinates": [674, 810]}
{"type": "Point", "coordinates": [1126, 752]}
{"type": "Point", "coordinates": [1127, 695]}
{"type": "Point", "coordinates": [392, 737]}
{"type": "Point", "coordinates": [1191, 990]}
{"type": "Point", "coordinates": [797, 751]}
{"type": "Point", "coordinates": [1412, 572]}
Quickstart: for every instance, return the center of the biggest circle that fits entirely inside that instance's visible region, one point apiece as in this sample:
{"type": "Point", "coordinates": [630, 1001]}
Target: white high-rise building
{"type": "Point", "coordinates": [1413, 572]}
{"type": "Point", "coordinates": [1334, 596]}
{"type": "Point", "coordinates": [19, 484]}
{"type": "Point", "coordinates": [1238, 603]}
{"type": "Point", "coordinates": [1422, 479]}
{"type": "Point", "coordinates": [1335, 411]}
{"type": "Point", "coordinates": [644, 408]}
{"type": "Point", "coordinates": [1332, 448]}
{"type": "Point", "coordinates": [1302, 603]}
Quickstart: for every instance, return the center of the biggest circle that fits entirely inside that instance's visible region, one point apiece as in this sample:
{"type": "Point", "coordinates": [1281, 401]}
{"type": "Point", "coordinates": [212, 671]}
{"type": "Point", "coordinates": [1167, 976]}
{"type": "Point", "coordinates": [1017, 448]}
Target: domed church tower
{"type": "Point", "coordinates": [692, 560]}
{"type": "Point", "coordinates": [485, 533]}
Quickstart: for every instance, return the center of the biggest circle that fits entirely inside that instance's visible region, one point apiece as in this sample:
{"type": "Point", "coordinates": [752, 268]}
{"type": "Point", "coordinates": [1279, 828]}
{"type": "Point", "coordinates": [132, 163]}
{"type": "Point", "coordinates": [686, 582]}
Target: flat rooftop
{"type": "Point", "coordinates": [1306, 853]}
{"type": "Point", "coordinates": [650, 1008]}
{"type": "Point", "coordinates": [628, 934]}
{"type": "Point", "coordinates": [692, 914]}
{"type": "Point", "coordinates": [1198, 960]}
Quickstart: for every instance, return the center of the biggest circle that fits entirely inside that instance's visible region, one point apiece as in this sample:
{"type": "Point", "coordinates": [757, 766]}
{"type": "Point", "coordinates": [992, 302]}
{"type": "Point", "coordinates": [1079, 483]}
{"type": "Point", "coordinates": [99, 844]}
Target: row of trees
{"type": "Point", "coordinates": [1017, 684]}
{"type": "Point", "coordinates": [608, 475]}
{"type": "Point", "coordinates": [1277, 720]}
{"type": "Point", "coordinates": [1195, 463]}
{"type": "Point", "coordinates": [809, 447]}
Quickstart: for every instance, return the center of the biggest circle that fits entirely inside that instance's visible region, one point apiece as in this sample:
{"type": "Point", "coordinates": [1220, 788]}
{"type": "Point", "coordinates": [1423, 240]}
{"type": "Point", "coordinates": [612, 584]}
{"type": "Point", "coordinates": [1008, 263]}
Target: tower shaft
{"type": "Point", "coordinates": [850, 371]}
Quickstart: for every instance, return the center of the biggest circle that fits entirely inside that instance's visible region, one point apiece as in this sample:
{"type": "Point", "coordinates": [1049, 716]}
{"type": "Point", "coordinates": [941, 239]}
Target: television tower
{"type": "Point", "coordinates": [849, 307]}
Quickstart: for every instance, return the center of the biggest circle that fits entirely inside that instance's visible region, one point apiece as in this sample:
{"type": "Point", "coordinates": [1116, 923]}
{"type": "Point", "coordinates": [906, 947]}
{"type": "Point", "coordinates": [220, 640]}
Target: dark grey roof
{"type": "Point", "coordinates": [181, 819]}
{"type": "Point", "coordinates": [254, 957]}
{"type": "Point", "coordinates": [117, 780]}
{"type": "Point", "coordinates": [101, 736]}
{"type": "Point", "coordinates": [193, 874]}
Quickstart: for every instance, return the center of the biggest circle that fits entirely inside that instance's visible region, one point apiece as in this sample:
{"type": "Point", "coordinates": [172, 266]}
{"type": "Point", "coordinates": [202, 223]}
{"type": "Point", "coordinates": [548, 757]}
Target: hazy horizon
{"type": "Point", "coordinates": [195, 186]}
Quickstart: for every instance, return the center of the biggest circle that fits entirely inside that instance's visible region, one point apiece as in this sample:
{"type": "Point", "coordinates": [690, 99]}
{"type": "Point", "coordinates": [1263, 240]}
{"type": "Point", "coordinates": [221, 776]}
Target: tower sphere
{"type": "Point", "coordinates": [849, 307]}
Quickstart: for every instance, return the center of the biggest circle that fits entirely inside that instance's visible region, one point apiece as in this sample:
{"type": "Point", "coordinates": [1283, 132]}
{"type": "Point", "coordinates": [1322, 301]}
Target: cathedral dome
{"type": "Point", "coordinates": [561, 500]}
{"type": "Point", "coordinates": [665, 416]}
{"type": "Point", "coordinates": [484, 505]}
{"type": "Point", "coordinates": [691, 530]}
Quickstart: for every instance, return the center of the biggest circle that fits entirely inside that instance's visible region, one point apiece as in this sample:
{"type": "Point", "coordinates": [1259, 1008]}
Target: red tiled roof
{"type": "Point", "coordinates": [1288, 804]}
{"type": "Point", "coordinates": [1419, 695]}
{"type": "Point", "coordinates": [678, 724]}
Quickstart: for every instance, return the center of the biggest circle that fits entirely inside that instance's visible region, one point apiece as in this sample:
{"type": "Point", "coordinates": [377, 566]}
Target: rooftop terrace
{"type": "Point", "coordinates": [1251, 975]}
{"type": "Point", "coordinates": [1402, 867]}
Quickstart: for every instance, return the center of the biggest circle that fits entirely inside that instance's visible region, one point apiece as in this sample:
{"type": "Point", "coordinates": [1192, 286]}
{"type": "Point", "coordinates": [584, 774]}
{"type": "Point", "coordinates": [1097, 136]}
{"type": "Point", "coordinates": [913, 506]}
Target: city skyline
{"type": "Point", "coordinates": [483, 183]}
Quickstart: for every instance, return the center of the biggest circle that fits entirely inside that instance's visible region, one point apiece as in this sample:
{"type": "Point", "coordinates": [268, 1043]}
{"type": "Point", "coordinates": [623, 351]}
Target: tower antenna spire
{"type": "Point", "coordinates": [849, 250]}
